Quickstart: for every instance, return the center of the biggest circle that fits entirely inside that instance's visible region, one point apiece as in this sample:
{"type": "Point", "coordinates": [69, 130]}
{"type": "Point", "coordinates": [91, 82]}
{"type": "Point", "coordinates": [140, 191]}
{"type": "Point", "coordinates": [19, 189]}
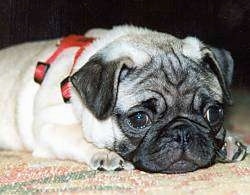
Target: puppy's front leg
{"type": "Point", "coordinates": [233, 150]}
{"type": "Point", "coordinates": [67, 142]}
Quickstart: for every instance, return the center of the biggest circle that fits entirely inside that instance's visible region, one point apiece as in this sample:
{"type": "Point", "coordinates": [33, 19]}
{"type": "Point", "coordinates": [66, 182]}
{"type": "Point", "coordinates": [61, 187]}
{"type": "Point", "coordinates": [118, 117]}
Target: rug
{"type": "Point", "coordinates": [20, 173]}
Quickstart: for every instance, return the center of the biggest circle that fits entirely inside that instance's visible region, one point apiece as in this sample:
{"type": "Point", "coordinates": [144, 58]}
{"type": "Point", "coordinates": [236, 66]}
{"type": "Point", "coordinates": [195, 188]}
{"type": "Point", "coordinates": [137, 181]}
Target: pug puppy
{"type": "Point", "coordinates": [140, 98]}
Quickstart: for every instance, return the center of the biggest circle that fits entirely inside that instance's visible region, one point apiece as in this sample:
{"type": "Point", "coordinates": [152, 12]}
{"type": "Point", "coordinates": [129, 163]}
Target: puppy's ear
{"type": "Point", "coordinates": [221, 63]}
{"type": "Point", "coordinates": [97, 84]}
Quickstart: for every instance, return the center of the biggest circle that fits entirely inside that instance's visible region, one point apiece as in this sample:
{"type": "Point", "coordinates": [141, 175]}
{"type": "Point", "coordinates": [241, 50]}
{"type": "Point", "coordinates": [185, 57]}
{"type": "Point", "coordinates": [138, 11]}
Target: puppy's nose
{"type": "Point", "coordinates": [181, 133]}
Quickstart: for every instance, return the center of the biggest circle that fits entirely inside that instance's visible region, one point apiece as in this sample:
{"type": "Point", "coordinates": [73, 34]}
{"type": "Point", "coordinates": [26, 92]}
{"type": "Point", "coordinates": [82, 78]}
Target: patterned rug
{"type": "Point", "coordinates": [21, 173]}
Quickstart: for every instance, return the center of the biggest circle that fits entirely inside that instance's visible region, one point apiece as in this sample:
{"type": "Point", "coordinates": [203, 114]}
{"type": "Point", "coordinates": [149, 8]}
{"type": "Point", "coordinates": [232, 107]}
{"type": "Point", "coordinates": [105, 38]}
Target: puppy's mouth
{"type": "Point", "coordinates": [182, 165]}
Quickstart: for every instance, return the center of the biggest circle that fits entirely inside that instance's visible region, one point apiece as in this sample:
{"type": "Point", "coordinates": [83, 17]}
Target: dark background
{"type": "Point", "coordinates": [222, 23]}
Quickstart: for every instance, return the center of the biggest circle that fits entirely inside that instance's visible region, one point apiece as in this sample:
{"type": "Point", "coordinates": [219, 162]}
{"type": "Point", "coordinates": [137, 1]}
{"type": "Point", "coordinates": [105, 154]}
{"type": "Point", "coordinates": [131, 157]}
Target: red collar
{"type": "Point", "coordinates": [69, 41]}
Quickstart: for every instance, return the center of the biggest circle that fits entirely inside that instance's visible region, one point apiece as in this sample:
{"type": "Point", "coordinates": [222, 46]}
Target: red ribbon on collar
{"type": "Point", "coordinates": [43, 67]}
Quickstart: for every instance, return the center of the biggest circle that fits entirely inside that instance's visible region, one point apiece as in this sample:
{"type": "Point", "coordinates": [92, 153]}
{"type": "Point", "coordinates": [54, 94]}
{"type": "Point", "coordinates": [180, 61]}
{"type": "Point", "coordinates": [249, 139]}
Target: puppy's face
{"type": "Point", "coordinates": [170, 113]}
{"type": "Point", "coordinates": [165, 97]}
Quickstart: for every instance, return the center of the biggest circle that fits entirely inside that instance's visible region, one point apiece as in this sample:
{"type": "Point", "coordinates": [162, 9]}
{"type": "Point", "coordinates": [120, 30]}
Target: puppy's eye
{"type": "Point", "coordinates": [139, 120]}
{"type": "Point", "coordinates": [214, 115]}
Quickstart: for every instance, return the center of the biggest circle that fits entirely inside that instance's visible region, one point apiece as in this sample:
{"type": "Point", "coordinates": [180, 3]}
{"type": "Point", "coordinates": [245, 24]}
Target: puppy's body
{"type": "Point", "coordinates": [30, 109]}
{"type": "Point", "coordinates": [17, 98]}
{"type": "Point", "coordinates": [35, 117]}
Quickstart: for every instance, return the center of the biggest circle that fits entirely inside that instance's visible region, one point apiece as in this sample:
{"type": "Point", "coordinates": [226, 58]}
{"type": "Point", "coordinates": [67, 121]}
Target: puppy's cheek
{"type": "Point", "coordinates": [102, 133]}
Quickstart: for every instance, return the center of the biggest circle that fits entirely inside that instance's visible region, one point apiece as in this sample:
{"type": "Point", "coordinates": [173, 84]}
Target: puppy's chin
{"type": "Point", "coordinates": [163, 165]}
{"type": "Point", "coordinates": [180, 166]}
{"type": "Point", "coordinates": [179, 162]}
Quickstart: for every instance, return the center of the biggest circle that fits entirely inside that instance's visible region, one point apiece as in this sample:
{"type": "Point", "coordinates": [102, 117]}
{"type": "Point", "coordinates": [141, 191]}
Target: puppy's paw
{"type": "Point", "coordinates": [232, 151]}
{"type": "Point", "coordinates": [106, 160]}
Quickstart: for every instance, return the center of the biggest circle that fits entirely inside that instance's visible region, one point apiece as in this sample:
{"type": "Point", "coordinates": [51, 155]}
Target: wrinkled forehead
{"type": "Point", "coordinates": [171, 78]}
{"type": "Point", "coordinates": [141, 48]}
